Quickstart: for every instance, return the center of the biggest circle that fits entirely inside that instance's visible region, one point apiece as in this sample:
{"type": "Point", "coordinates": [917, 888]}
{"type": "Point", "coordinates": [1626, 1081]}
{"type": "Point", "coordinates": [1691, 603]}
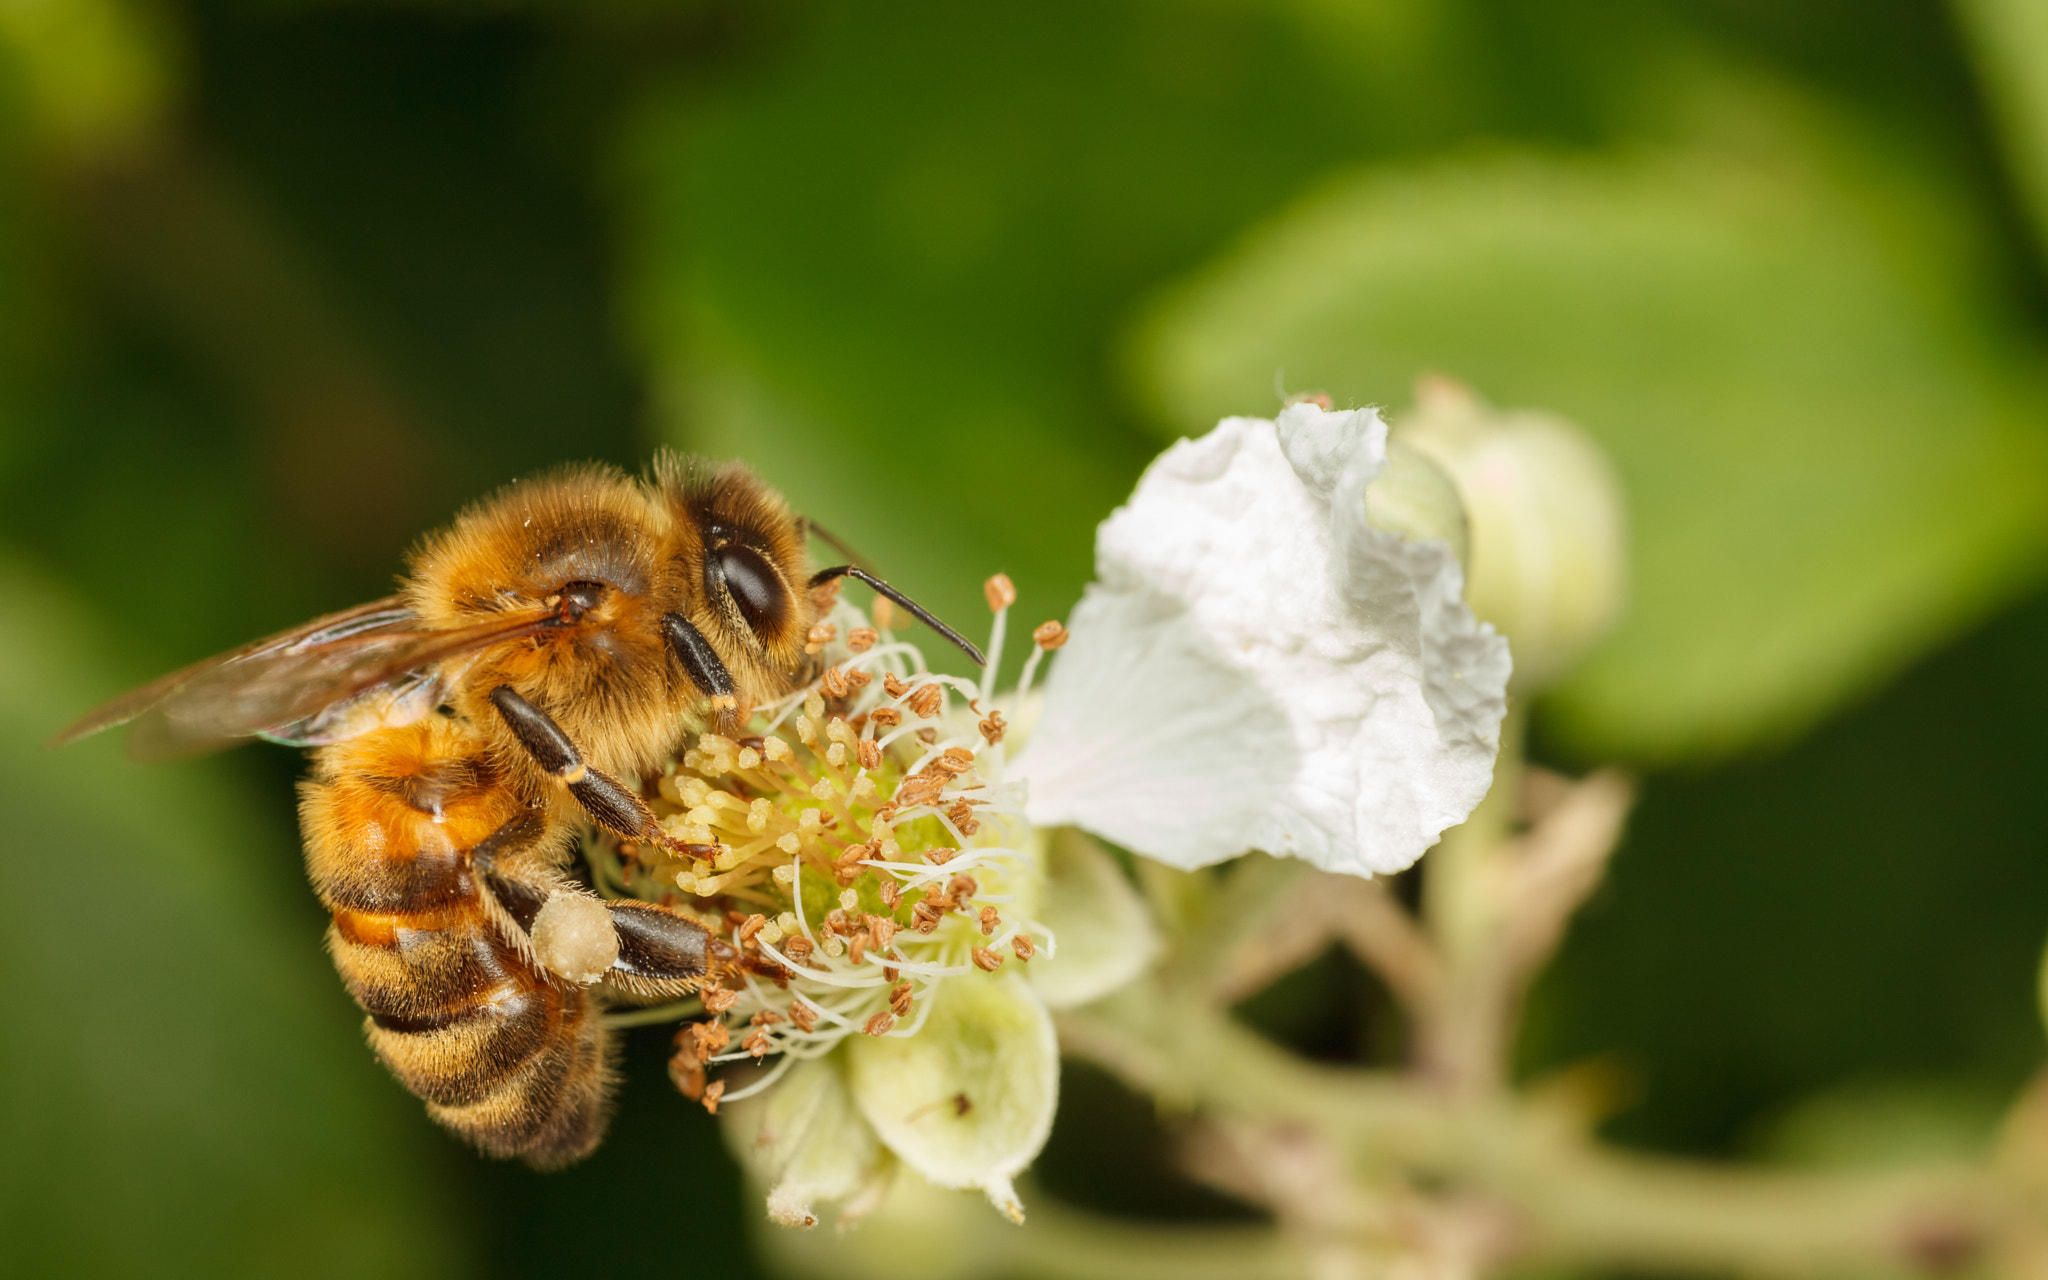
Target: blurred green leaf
{"type": "Point", "coordinates": [2008, 41]}
{"type": "Point", "coordinates": [182, 1088]}
{"type": "Point", "coordinates": [1830, 443]}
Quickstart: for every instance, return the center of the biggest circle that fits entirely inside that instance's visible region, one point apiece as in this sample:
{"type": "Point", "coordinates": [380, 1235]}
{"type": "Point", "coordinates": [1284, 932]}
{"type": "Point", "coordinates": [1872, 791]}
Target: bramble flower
{"type": "Point", "coordinates": [1272, 659]}
{"type": "Point", "coordinates": [900, 923]}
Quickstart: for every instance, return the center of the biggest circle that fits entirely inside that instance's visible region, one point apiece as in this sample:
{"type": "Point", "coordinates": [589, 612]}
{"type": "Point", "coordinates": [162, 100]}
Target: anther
{"type": "Point", "coordinates": [925, 702]}
{"type": "Point", "coordinates": [1000, 592]}
{"type": "Point", "coordinates": [986, 960]}
{"type": "Point", "coordinates": [893, 685]}
{"type": "Point", "coordinates": [805, 1017]}
{"type": "Point", "coordinates": [879, 1024]}
{"type": "Point", "coordinates": [1049, 635]}
{"type": "Point", "coordinates": [989, 921]}
{"type": "Point", "coordinates": [885, 717]}
{"type": "Point", "coordinates": [954, 761]}
{"type": "Point", "coordinates": [899, 1000]}
{"type": "Point", "coordinates": [994, 727]}
{"type": "Point", "coordinates": [883, 612]}
{"type": "Point", "coordinates": [890, 891]}
{"type": "Point", "coordinates": [751, 927]}
{"type": "Point", "coordinates": [712, 1093]}
{"type": "Point", "coordinates": [881, 931]}
{"type": "Point", "coordinates": [719, 999]}
{"type": "Point", "coordinates": [798, 949]}
{"type": "Point", "coordinates": [962, 814]}
{"type": "Point", "coordinates": [712, 1037]}
{"type": "Point", "coordinates": [833, 683]}
{"type": "Point", "coordinates": [861, 639]}
{"type": "Point", "coordinates": [1024, 947]}
{"type": "Point", "coordinates": [856, 948]}
{"type": "Point", "coordinates": [870, 754]}
{"type": "Point", "coordinates": [963, 887]}
{"type": "Point", "coordinates": [819, 636]}
{"type": "Point", "coordinates": [757, 1044]}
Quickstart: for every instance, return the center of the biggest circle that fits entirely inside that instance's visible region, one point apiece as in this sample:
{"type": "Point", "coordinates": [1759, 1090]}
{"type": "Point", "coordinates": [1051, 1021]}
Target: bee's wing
{"type": "Point", "coordinates": [290, 677]}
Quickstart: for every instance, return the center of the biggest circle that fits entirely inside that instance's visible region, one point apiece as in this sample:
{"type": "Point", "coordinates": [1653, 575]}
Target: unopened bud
{"type": "Point", "coordinates": [1548, 562]}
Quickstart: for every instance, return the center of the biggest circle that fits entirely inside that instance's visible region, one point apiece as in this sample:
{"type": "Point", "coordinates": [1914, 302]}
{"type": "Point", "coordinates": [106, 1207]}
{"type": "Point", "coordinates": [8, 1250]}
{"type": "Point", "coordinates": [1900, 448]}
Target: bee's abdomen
{"type": "Point", "coordinates": [502, 1054]}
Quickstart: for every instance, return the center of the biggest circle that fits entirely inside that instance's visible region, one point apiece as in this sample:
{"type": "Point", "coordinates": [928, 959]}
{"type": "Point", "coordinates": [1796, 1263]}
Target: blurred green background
{"type": "Point", "coordinates": [283, 283]}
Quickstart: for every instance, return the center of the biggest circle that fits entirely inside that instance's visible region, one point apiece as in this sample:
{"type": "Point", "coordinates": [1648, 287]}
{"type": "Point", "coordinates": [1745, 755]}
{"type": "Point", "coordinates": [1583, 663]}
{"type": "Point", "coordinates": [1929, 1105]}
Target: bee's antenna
{"type": "Point", "coordinates": [837, 543]}
{"type": "Point", "coordinates": [917, 610]}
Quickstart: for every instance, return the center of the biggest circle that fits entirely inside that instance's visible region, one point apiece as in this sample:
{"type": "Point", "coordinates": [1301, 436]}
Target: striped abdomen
{"type": "Point", "coordinates": [414, 843]}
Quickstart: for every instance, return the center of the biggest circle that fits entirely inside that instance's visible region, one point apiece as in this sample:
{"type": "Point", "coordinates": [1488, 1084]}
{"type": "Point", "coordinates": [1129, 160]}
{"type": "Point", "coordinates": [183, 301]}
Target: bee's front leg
{"type": "Point", "coordinates": [610, 803]}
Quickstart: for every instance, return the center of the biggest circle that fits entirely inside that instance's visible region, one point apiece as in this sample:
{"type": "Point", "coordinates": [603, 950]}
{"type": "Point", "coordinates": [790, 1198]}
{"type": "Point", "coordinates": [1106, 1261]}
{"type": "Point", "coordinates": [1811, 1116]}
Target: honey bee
{"type": "Point", "coordinates": [543, 656]}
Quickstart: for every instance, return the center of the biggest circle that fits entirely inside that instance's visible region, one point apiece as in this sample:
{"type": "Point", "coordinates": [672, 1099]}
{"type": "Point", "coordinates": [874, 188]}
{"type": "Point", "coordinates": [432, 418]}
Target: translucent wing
{"type": "Point", "coordinates": [277, 685]}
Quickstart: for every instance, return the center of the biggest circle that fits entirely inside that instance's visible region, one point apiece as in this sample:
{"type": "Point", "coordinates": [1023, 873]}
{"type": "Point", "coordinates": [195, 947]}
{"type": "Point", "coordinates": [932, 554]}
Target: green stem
{"type": "Point", "coordinates": [1569, 1199]}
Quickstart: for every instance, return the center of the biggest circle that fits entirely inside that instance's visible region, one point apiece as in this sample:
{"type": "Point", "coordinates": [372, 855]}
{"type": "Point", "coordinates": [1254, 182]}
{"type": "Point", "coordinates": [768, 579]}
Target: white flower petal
{"type": "Point", "coordinates": [968, 1100]}
{"type": "Point", "coordinates": [1259, 668]}
{"type": "Point", "coordinates": [807, 1140]}
{"type": "Point", "coordinates": [1103, 933]}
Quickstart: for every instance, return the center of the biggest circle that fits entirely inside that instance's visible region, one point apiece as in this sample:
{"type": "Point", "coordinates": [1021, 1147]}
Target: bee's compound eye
{"type": "Point", "coordinates": [755, 587]}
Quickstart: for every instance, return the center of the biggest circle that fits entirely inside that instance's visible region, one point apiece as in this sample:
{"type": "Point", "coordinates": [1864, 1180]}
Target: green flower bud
{"type": "Point", "coordinates": [1549, 547]}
